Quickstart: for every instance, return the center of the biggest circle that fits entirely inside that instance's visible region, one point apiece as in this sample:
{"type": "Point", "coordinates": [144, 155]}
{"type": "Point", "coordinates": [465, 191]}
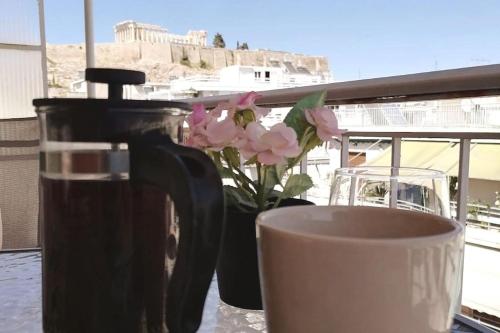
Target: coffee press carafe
{"type": "Point", "coordinates": [116, 255]}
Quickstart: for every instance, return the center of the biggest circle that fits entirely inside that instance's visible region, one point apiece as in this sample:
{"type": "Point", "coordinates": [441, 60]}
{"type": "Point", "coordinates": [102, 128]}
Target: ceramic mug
{"type": "Point", "coordinates": [358, 269]}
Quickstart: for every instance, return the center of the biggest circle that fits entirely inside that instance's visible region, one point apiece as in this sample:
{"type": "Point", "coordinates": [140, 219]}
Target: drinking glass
{"type": "Point", "coordinates": [414, 189]}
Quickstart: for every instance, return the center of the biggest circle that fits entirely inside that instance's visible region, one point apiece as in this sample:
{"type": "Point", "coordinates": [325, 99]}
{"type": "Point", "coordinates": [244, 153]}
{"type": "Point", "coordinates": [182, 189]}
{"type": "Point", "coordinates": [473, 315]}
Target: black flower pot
{"type": "Point", "coordinates": [237, 266]}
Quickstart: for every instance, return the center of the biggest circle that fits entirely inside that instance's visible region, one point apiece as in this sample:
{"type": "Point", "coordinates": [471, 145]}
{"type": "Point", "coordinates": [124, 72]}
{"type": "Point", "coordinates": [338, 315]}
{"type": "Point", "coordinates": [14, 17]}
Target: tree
{"type": "Point", "coordinates": [243, 46]}
{"type": "Point", "coordinates": [219, 41]}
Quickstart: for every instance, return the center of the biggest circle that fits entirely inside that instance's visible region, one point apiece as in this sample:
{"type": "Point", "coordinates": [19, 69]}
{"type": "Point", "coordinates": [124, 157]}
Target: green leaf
{"type": "Point", "coordinates": [313, 142]}
{"type": "Point", "coordinates": [295, 185]}
{"type": "Point", "coordinates": [271, 178]}
{"type": "Point", "coordinates": [296, 118]}
{"type": "Point", "coordinates": [280, 171]}
{"type": "Point", "coordinates": [238, 198]}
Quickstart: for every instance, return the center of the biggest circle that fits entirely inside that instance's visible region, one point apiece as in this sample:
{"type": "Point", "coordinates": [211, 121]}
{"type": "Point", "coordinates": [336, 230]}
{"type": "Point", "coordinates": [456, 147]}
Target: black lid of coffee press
{"type": "Point", "coordinates": [106, 120]}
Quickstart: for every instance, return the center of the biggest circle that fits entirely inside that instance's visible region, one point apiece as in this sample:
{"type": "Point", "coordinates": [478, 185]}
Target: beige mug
{"type": "Point", "coordinates": [358, 269]}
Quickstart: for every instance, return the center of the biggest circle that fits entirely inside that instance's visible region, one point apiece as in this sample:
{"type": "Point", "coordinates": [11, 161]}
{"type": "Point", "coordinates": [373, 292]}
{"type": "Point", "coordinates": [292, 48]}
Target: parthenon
{"type": "Point", "coordinates": [131, 31]}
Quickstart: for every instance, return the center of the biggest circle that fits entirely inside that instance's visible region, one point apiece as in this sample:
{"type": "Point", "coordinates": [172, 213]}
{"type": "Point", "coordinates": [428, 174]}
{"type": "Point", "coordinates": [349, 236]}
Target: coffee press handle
{"type": "Point", "coordinates": [115, 78]}
{"type": "Point", "coordinates": [192, 181]}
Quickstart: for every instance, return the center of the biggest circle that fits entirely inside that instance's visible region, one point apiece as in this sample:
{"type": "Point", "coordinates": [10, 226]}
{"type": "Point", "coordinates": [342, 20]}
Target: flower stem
{"type": "Point", "coordinates": [244, 176]}
{"type": "Point", "coordinates": [261, 181]}
{"type": "Point", "coordinates": [241, 183]}
{"type": "Point", "coordinates": [303, 144]}
{"type": "Point", "coordinates": [277, 202]}
{"type": "Point", "coordinates": [240, 179]}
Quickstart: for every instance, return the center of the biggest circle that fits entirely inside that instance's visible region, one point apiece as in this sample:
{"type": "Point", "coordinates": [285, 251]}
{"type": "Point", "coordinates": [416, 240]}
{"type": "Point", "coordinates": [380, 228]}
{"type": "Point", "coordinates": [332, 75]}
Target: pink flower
{"type": "Point", "coordinates": [247, 100]}
{"type": "Point", "coordinates": [197, 139]}
{"type": "Point", "coordinates": [197, 116]}
{"type": "Point", "coordinates": [197, 122]}
{"type": "Point", "coordinates": [325, 122]}
{"type": "Point", "coordinates": [243, 102]}
{"type": "Point", "coordinates": [225, 133]}
{"type": "Point", "coordinates": [271, 147]}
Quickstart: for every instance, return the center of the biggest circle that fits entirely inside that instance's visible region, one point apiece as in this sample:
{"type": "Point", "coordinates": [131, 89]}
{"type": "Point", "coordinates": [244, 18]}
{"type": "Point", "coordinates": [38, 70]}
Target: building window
{"type": "Point", "coordinates": [267, 75]}
{"type": "Point", "coordinates": [257, 75]}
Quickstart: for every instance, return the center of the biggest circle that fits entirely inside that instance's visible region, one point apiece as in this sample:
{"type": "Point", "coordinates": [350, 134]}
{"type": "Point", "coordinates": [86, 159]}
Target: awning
{"type": "Point", "coordinates": [443, 156]}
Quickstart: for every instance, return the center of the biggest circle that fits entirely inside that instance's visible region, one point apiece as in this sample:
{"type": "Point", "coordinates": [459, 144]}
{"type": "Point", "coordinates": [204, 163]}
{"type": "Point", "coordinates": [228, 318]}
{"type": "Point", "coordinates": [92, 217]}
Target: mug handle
{"type": "Point", "coordinates": [191, 179]}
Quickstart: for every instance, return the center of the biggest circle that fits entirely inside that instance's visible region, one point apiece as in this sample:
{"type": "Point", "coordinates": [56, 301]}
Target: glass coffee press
{"type": "Point", "coordinates": [116, 256]}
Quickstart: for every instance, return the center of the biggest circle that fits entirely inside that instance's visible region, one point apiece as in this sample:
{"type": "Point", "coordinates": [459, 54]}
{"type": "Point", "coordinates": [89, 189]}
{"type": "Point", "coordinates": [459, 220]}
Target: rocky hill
{"type": "Point", "coordinates": [162, 62]}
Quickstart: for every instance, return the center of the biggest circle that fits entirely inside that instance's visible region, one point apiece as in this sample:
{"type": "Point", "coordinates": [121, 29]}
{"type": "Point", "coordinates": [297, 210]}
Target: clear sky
{"type": "Point", "coordinates": [360, 38]}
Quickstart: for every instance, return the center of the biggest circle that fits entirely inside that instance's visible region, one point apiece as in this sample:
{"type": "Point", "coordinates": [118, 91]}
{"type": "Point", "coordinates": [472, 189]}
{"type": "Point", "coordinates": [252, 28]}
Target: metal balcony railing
{"type": "Point", "coordinates": [438, 85]}
{"type": "Point", "coordinates": [424, 116]}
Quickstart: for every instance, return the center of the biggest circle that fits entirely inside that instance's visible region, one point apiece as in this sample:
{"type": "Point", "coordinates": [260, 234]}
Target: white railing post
{"type": "Point", "coordinates": [303, 170]}
{"type": "Point", "coordinates": [43, 47]}
{"type": "Point", "coordinates": [344, 152]}
{"type": "Point", "coordinates": [89, 43]}
{"type": "Point", "coordinates": [463, 180]}
{"type": "Point", "coordinates": [344, 163]}
{"type": "Point", "coordinates": [463, 190]}
{"type": "Point", "coordinates": [395, 164]}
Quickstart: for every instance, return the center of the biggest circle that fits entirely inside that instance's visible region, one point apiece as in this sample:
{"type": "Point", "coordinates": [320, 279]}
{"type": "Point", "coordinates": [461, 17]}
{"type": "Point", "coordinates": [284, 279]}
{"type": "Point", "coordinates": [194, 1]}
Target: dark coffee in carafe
{"type": "Point", "coordinates": [104, 250]}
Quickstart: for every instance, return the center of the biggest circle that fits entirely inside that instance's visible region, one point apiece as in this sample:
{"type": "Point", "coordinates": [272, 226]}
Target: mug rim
{"type": "Point", "coordinates": [457, 228]}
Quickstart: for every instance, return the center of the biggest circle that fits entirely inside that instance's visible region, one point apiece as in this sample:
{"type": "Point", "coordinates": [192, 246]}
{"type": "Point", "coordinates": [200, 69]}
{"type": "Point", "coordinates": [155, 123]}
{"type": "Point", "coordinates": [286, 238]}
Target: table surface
{"type": "Point", "coordinates": [20, 302]}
